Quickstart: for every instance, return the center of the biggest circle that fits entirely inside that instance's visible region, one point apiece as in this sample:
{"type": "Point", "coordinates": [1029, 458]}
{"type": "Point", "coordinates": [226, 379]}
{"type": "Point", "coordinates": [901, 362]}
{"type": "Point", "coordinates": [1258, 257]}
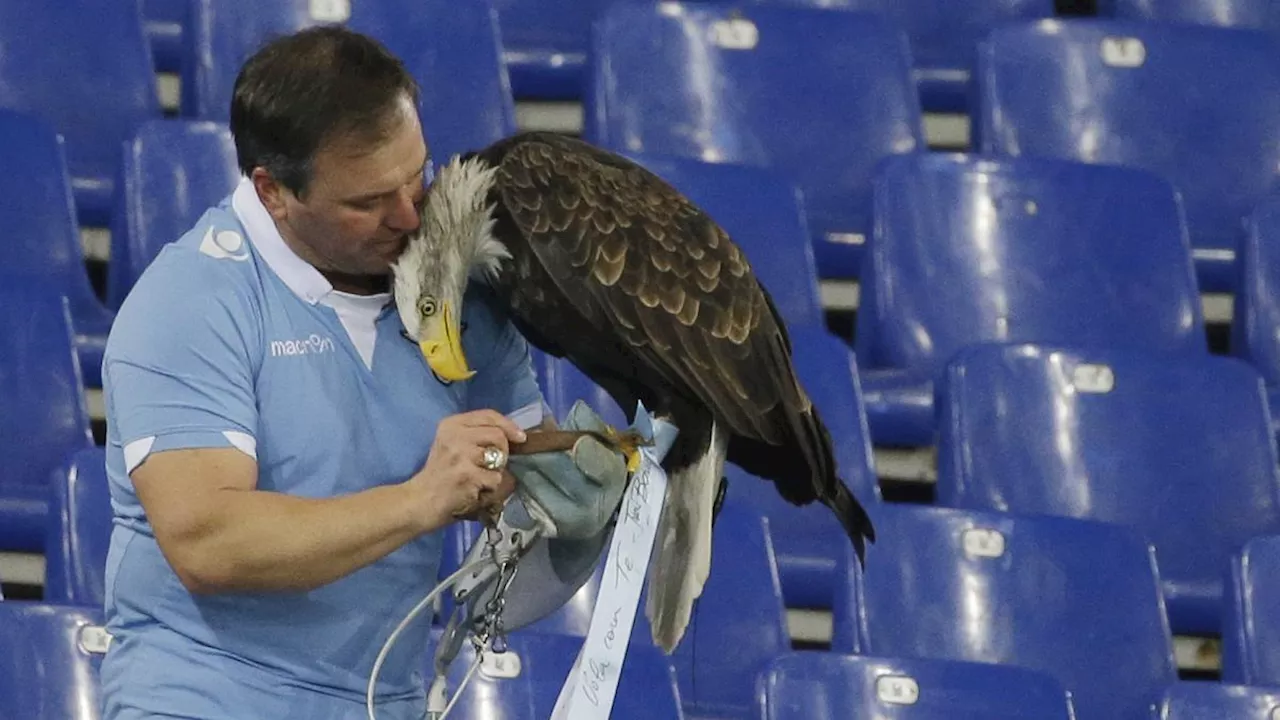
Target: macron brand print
{"type": "Point", "coordinates": [313, 345]}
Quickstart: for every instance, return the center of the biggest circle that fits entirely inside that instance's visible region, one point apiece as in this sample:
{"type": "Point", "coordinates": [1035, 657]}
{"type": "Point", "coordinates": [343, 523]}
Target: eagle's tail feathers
{"type": "Point", "coordinates": [682, 557]}
{"type": "Point", "coordinates": [854, 518]}
{"type": "Point", "coordinates": [831, 490]}
{"type": "Point", "coordinates": [825, 482]}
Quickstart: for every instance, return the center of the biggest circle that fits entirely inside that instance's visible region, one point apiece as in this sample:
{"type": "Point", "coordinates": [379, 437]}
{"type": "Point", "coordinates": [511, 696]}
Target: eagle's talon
{"type": "Point", "coordinates": [628, 444]}
{"type": "Point", "coordinates": [633, 459]}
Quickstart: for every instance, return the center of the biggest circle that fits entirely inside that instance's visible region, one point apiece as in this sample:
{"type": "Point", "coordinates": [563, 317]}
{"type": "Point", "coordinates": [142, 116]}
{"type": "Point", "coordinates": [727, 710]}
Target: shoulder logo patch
{"type": "Point", "coordinates": [224, 245]}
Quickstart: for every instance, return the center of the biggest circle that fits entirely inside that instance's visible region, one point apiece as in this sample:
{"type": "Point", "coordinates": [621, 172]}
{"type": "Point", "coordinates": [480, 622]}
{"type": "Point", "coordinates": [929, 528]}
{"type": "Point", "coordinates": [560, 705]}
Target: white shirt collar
{"type": "Point", "coordinates": [299, 275]}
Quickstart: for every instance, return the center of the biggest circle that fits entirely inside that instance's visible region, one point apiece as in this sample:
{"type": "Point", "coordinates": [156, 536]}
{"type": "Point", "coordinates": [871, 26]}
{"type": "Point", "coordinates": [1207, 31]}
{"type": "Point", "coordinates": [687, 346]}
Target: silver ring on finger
{"type": "Point", "coordinates": [494, 459]}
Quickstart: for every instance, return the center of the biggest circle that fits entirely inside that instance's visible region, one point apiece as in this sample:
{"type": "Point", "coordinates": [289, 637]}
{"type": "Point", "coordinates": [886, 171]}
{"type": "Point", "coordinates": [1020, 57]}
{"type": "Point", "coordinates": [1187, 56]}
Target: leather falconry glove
{"type": "Point", "coordinates": [570, 494]}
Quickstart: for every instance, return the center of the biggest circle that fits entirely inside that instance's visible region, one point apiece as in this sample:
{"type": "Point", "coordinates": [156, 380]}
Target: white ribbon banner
{"type": "Point", "coordinates": [589, 691]}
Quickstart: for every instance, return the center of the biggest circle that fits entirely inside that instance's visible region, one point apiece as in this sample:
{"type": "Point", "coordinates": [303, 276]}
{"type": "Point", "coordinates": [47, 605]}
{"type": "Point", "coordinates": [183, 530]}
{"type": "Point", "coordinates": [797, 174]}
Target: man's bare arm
{"type": "Point", "coordinates": [221, 534]}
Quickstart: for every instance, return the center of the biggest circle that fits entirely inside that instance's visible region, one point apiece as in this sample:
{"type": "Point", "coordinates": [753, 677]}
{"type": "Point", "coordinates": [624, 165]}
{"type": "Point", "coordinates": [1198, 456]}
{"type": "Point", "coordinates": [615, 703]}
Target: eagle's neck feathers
{"type": "Point", "coordinates": [488, 257]}
{"type": "Point", "coordinates": [455, 240]}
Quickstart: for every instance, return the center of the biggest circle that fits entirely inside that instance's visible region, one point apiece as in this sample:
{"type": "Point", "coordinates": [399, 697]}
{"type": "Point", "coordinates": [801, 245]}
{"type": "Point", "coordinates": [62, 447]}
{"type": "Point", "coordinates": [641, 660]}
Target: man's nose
{"type": "Point", "coordinates": [403, 215]}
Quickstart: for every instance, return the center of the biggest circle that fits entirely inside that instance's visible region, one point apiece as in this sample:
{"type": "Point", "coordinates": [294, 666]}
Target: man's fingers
{"type": "Point", "coordinates": [482, 487]}
{"type": "Point", "coordinates": [484, 438]}
{"type": "Point", "coordinates": [485, 481]}
{"type": "Point", "coordinates": [474, 503]}
{"type": "Point", "coordinates": [506, 485]}
{"type": "Point", "coordinates": [495, 499]}
{"type": "Point", "coordinates": [493, 418]}
{"type": "Point", "coordinates": [493, 485]}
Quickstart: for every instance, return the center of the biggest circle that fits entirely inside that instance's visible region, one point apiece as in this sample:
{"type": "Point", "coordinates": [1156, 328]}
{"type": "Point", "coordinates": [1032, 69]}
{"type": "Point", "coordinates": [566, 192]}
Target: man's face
{"type": "Point", "coordinates": [362, 200]}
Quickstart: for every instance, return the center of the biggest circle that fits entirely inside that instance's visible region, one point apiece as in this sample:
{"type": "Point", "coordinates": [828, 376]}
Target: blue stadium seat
{"type": "Point", "coordinates": [819, 94]}
{"type": "Point", "coordinates": [1256, 312]}
{"type": "Point", "coordinates": [451, 48]}
{"type": "Point", "coordinates": [764, 214]}
{"type": "Point", "coordinates": [944, 38]}
{"type": "Point", "coordinates": [1215, 701]}
{"type": "Point", "coordinates": [85, 68]}
{"type": "Point", "coordinates": [646, 689]}
{"type": "Point", "coordinates": [1257, 14]}
{"type": "Point", "coordinates": [45, 418]}
{"type": "Point", "coordinates": [739, 622]}
{"type": "Point", "coordinates": [1251, 622]}
{"type": "Point", "coordinates": [50, 660]}
{"type": "Point", "coordinates": [173, 171]}
{"type": "Point", "coordinates": [1196, 105]}
{"type": "Point", "coordinates": [544, 43]}
{"type": "Point", "coordinates": [79, 531]}
{"type": "Point", "coordinates": [164, 22]}
{"type": "Point", "coordinates": [807, 685]}
{"type": "Point", "coordinates": [1032, 250]}
{"type": "Point", "coordinates": [1180, 449]}
{"type": "Point", "coordinates": [807, 540]}
{"type": "Point", "coordinates": [39, 234]}
{"type": "Point", "coordinates": [1075, 599]}
{"type": "Point", "coordinates": [944, 42]}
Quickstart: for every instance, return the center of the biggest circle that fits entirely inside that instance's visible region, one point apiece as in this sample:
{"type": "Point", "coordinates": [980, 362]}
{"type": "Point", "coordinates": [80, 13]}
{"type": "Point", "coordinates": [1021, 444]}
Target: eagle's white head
{"type": "Point", "coordinates": [453, 243]}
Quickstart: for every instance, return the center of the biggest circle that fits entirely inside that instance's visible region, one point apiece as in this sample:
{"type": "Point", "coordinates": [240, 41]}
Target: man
{"type": "Point", "coordinates": [281, 459]}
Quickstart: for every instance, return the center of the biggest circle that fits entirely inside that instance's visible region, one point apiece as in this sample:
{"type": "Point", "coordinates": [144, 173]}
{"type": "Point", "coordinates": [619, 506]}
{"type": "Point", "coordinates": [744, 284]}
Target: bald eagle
{"type": "Point", "coordinates": [599, 261]}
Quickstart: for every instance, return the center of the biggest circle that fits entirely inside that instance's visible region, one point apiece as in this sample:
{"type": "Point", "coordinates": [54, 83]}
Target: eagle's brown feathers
{"type": "Point", "coordinates": [614, 269]}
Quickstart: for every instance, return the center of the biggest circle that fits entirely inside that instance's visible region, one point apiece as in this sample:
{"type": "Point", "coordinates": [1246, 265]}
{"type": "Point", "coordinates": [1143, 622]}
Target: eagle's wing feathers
{"type": "Point", "coordinates": [664, 278]}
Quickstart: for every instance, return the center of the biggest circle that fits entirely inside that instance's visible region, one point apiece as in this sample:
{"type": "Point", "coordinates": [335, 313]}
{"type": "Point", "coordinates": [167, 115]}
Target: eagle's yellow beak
{"type": "Point", "coordinates": [441, 344]}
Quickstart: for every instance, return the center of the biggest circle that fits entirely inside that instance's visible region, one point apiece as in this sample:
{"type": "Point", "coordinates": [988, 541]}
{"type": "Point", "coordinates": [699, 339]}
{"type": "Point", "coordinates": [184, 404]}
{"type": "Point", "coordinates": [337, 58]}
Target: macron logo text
{"type": "Point", "coordinates": [313, 345]}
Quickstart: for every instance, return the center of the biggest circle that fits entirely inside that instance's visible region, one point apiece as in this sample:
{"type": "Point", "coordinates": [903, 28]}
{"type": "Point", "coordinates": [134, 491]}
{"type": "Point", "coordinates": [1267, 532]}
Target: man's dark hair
{"type": "Point", "coordinates": [304, 89]}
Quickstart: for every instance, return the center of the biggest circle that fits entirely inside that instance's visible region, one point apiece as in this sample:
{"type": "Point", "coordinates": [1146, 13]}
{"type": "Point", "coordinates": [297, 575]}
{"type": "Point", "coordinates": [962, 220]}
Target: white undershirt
{"type": "Point", "coordinates": [359, 316]}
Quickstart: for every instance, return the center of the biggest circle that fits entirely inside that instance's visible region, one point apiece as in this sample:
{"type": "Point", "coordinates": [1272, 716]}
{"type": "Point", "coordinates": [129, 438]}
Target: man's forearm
{"type": "Point", "coordinates": [266, 541]}
{"type": "Point", "coordinates": [222, 535]}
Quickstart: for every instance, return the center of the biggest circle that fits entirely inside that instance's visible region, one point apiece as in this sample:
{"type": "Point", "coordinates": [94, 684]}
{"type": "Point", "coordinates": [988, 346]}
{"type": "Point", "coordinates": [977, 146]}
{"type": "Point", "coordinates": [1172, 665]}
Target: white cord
{"type": "Point", "coordinates": [395, 634]}
{"type": "Point", "coordinates": [466, 679]}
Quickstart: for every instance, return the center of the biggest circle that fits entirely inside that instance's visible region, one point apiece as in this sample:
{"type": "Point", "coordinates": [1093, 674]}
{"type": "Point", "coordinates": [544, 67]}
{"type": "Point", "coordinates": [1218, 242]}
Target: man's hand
{"type": "Point", "coordinates": [454, 484]}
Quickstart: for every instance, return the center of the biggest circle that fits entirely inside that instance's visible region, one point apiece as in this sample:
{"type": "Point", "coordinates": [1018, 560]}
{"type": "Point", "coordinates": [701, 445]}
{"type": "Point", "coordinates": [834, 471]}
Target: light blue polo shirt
{"type": "Point", "coordinates": [229, 339]}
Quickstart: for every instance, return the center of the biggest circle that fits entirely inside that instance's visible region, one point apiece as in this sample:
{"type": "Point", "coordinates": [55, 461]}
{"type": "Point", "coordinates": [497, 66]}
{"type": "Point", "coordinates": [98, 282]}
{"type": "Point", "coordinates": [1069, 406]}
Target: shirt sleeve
{"type": "Point", "coordinates": [505, 379]}
{"type": "Point", "coordinates": [178, 371]}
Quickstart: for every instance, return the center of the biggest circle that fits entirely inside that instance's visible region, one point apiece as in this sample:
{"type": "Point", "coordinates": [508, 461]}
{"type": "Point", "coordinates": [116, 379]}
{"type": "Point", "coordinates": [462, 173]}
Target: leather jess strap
{"type": "Point", "coordinates": [540, 441]}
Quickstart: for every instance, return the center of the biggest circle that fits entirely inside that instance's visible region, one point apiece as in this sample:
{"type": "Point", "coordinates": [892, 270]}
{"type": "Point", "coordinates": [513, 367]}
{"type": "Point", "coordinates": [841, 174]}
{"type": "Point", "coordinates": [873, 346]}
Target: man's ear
{"type": "Point", "coordinates": [271, 193]}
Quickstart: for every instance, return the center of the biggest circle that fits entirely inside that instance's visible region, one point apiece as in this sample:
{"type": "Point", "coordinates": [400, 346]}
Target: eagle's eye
{"type": "Point", "coordinates": [427, 306]}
